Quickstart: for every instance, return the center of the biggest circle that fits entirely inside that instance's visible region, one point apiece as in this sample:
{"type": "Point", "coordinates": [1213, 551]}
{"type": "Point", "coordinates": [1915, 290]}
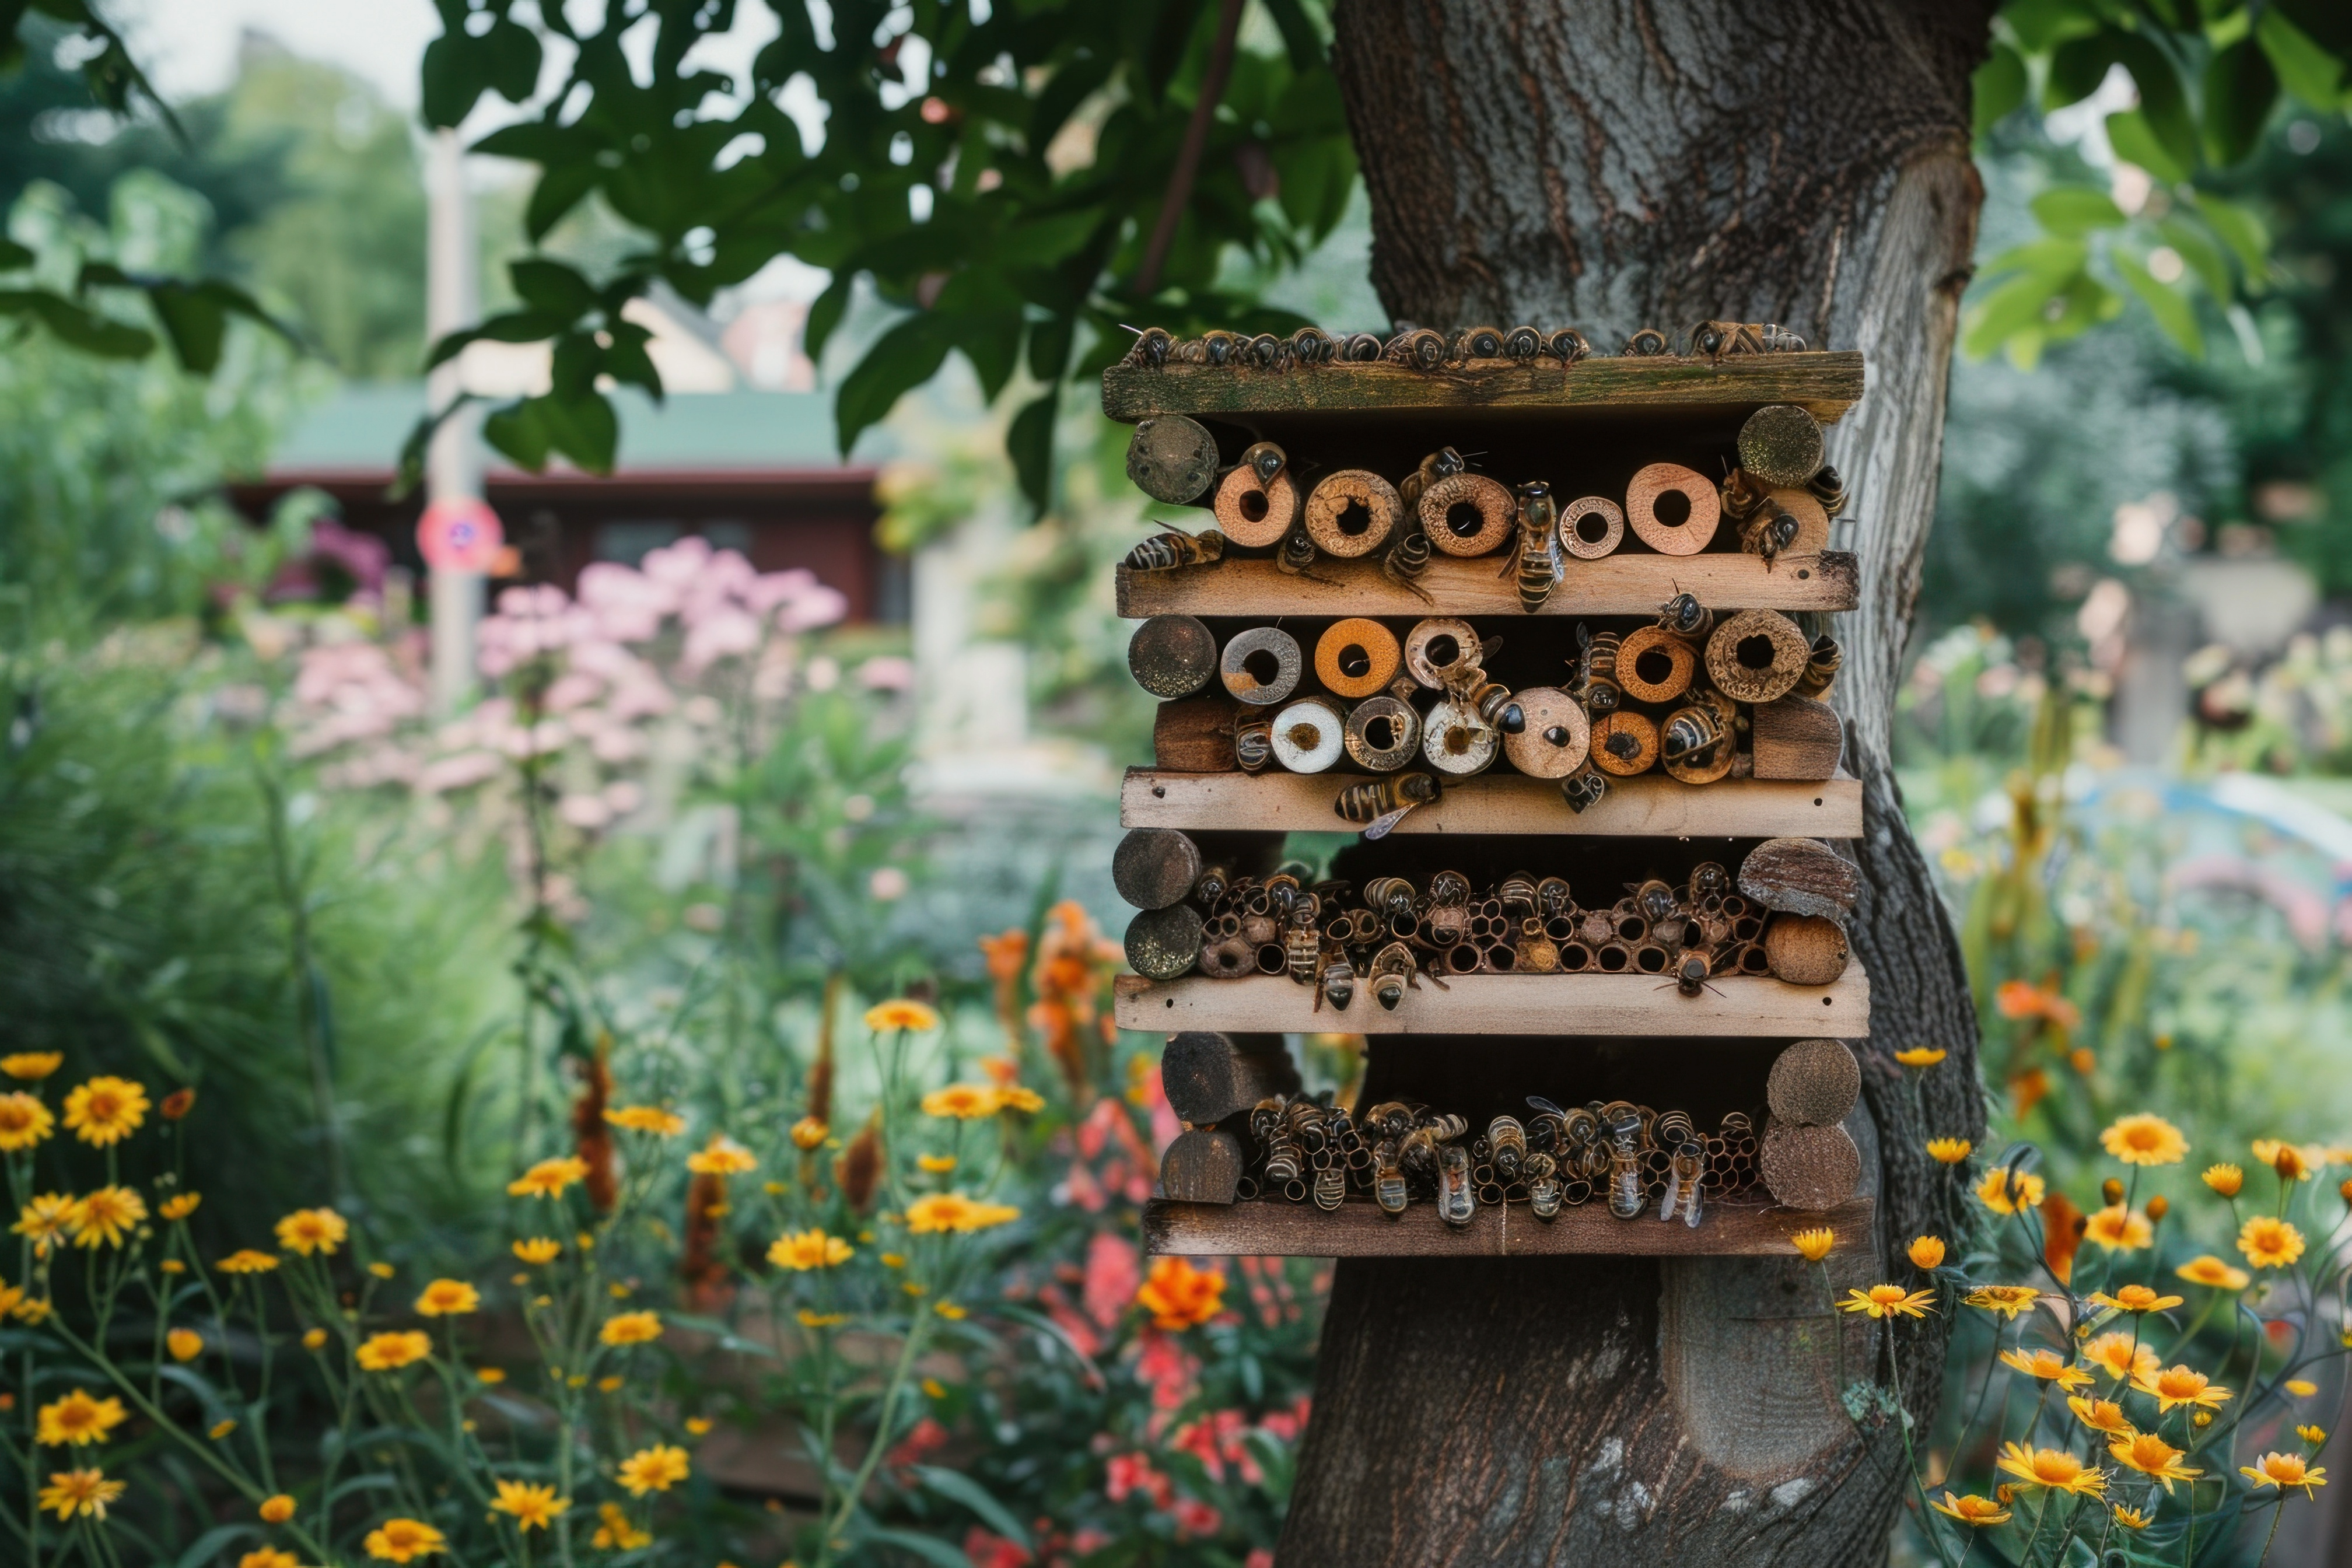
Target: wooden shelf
{"type": "Point", "coordinates": [1619, 584]}
{"type": "Point", "coordinates": [1274, 1229]}
{"type": "Point", "coordinates": [1651, 806]}
{"type": "Point", "coordinates": [1826, 383]}
{"type": "Point", "coordinates": [1738, 1006]}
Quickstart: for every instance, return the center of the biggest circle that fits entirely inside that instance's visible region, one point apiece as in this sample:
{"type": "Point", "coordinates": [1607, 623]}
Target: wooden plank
{"type": "Point", "coordinates": [1619, 584]}
{"type": "Point", "coordinates": [1272, 1228]}
{"type": "Point", "coordinates": [1826, 383]}
{"type": "Point", "coordinates": [1651, 806]}
{"type": "Point", "coordinates": [1738, 1006]}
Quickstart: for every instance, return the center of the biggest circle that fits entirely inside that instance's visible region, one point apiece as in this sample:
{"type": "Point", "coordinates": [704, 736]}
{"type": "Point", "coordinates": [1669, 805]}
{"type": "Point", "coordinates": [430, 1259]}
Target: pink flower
{"type": "Point", "coordinates": [886, 673]}
{"type": "Point", "coordinates": [1197, 1517]}
{"type": "Point", "coordinates": [817, 607]}
{"type": "Point", "coordinates": [926, 1436]}
{"type": "Point", "coordinates": [460, 772]}
{"type": "Point", "coordinates": [770, 589]}
{"type": "Point", "coordinates": [1127, 1474]}
{"type": "Point", "coordinates": [1259, 1557]}
{"type": "Point", "coordinates": [1111, 1278]}
{"type": "Point", "coordinates": [988, 1551]}
{"type": "Point", "coordinates": [1199, 1439]}
{"type": "Point", "coordinates": [1087, 1540]}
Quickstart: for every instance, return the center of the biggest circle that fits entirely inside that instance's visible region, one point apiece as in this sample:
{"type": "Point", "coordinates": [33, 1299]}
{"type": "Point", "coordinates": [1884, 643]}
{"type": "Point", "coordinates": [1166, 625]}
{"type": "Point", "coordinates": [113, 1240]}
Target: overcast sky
{"type": "Point", "coordinates": [189, 46]}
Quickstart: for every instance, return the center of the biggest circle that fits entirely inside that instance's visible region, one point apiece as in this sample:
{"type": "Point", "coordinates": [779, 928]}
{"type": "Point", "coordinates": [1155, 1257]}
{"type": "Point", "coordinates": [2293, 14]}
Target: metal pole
{"type": "Point", "coordinates": [454, 464]}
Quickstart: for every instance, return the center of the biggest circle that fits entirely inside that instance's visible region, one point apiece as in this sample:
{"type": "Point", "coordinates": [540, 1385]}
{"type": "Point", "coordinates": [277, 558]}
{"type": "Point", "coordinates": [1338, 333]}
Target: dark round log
{"type": "Point", "coordinates": [1171, 458]}
{"type": "Point", "coordinates": [1155, 867]}
{"type": "Point", "coordinates": [1801, 876]}
{"type": "Point", "coordinates": [1813, 1083]}
{"type": "Point", "coordinates": [1209, 1077]}
{"type": "Point", "coordinates": [1809, 1167]}
{"type": "Point", "coordinates": [1173, 656]}
{"type": "Point", "coordinates": [1780, 444]}
{"type": "Point", "coordinates": [1162, 944]}
{"type": "Point", "coordinates": [1203, 1166]}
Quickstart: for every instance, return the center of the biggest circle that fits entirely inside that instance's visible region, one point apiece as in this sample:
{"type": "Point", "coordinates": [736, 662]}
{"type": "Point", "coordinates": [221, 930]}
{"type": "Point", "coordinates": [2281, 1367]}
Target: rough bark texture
{"type": "Point", "coordinates": [1614, 165]}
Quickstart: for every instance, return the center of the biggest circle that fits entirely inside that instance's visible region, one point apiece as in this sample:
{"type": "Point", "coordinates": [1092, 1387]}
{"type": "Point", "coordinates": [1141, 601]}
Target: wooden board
{"type": "Point", "coordinates": [1619, 584]}
{"type": "Point", "coordinates": [1653, 806]}
{"type": "Point", "coordinates": [1274, 1229]}
{"type": "Point", "coordinates": [1826, 383]}
{"type": "Point", "coordinates": [1738, 1007]}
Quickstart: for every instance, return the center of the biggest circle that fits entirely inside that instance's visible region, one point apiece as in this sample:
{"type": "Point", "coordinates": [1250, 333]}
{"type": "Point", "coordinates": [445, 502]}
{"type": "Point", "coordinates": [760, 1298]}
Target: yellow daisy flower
{"type": "Point", "coordinates": [31, 1066]}
{"type": "Point", "coordinates": [1950, 1150]}
{"type": "Point", "coordinates": [2270, 1243]}
{"type": "Point", "coordinates": [390, 1351]}
{"type": "Point", "coordinates": [2225, 1179]}
{"type": "Point", "coordinates": [631, 1328]}
{"type": "Point", "coordinates": [1814, 1244]}
{"type": "Point", "coordinates": [532, 1507]}
{"type": "Point", "coordinates": [900, 1015]}
{"type": "Point", "coordinates": [24, 1121]}
{"type": "Point", "coordinates": [538, 1249]}
{"type": "Point", "coordinates": [2285, 1470]}
{"type": "Point", "coordinates": [722, 1156]}
{"type": "Point", "coordinates": [548, 1178]}
{"type": "Point", "coordinates": [72, 1492]}
{"type": "Point", "coordinates": [78, 1420]}
{"type": "Point", "coordinates": [2047, 1365]}
{"type": "Point", "coordinates": [448, 1299]}
{"type": "Point", "coordinates": [645, 1118]}
{"type": "Point", "coordinates": [808, 1249]}
{"type": "Point", "coordinates": [1972, 1510]}
{"type": "Point", "coordinates": [2002, 1194]}
{"type": "Point", "coordinates": [105, 1216]}
{"type": "Point", "coordinates": [2134, 1299]}
{"type": "Point", "coordinates": [653, 1470]}
{"type": "Point", "coordinates": [1889, 1301]}
{"type": "Point", "coordinates": [2211, 1270]}
{"type": "Point", "coordinates": [2152, 1457]}
{"type": "Point", "coordinates": [105, 1111]}
{"type": "Point", "coordinates": [313, 1232]}
{"type": "Point", "coordinates": [2118, 1229]}
{"type": "Point", "coordinates": [2144, 1140]}
{"type": "Point", "coordinates": [2052, 1468]}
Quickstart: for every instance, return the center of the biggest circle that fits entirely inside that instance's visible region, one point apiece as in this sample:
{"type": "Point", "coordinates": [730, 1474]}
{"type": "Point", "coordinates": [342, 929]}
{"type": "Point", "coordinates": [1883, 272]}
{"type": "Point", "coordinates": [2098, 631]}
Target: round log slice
{"type": "Point", "coordinates": [1254, 514]}
{"type": "Point", "coordinates": [1592, 527]}
{"type": "Point", "coordinates": [1173, 656]}
{"type": "Point", "coordinates": [1171, 458]}
{"type": "Point", "coordinates": [1469, 515]}
{"type": "Point", "coordinates": [1756, 656]}
{"type": "Point", "coordinates": [1780, 444]}
{"type": "Point", "coordinates": [1693, 517]}
{"type": "Point", "coordinates": [1806, 950]}
{"type": "Point", "coordinates": [1655, 666]}
{"type": "Point", "coordinates": [1558, 737]}
{"type": "Point", "coordinates": [1351, 513]}
{"type": "Point", "coordinates": [1813, 1083]}
{"type": "Point", "coordinates": [1356, 658]}
{"type": "Point", "coordinates": [1809, 1167]}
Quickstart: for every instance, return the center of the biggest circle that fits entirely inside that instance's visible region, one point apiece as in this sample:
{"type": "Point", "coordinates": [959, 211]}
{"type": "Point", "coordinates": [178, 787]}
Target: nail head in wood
{"type": "Point", "coordinates": [1173, 656]}
{"type": "Point", "coordinates": [1155, 867]}
{"type": "Point", "coordinates": [1171, 458]}
{"type": "Point", "coordinates": [1813, 1083]}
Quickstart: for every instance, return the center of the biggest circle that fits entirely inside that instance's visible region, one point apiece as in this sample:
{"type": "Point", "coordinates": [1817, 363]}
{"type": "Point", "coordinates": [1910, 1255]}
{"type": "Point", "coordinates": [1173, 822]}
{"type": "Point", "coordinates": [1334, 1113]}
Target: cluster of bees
{"type": "Point", "coordinates": [1629, 1154]}
{"type": "Point", "coordinates": [1779, 499]}
{"type": "Point", "coordinates": [1592, 730]}
{"type": "Point", "coordinates": [1421, 348]}
{"type": "Point", "coordinates": [1384, 940]}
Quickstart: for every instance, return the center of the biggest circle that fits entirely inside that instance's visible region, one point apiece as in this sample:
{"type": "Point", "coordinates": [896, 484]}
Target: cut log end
{"type": "Point", "coordinates": [1797, 738]}
{"type": "Point", "coordinates": [1800, 877]}
{"type": "Point", "coordinates": [1356, 658]}
{"type": "Point", "coordinates": [1809, 1167]}
{"type": "Point", "coordinates": [1155, 867]}
{"type": "Point", "coordinates": [1351, 513]}
{"type": "Point", "coordinates": [1673, 510]}
{"type": "Point", "coordinates": [1173, 656]}
{"type": "Point", "coordinates": [1469, 515]}
{"type": "Point", "coordinates": [1806, 950]}
{"type": "Point", "coordinates": [1195, 735]}
{"type": "Point", "coordinates": [1814, 1083]}
{"type": "Point", "coordinates": [1756, 656]}
{"type": "Point", "coordinates": [1655, 666]}
{"type": "Point", "coordinates": [1171, 458]}
{"type": "Point", "coordinates": [1209, 1076]}
{"type": "Point", "coordinates": [1164, 943]}
{"type": "Point", "coordinates": [1624, 742]}
{"type": "Point", "coordinates": [1201, 1166]}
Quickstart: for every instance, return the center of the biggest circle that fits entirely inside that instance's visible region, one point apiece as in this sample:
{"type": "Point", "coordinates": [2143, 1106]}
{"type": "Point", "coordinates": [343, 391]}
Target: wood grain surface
{"type": "Point", "coordinates": [1619, 584]}
{"type": "Point", "coordinates": [1271, 1227]}
{"type": "Point", "coordinates": [1560, 1005]}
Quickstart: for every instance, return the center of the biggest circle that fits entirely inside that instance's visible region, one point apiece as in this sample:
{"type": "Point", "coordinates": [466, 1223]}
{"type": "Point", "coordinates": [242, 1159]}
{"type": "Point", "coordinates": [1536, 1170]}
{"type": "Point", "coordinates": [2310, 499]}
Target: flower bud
{"type": "Point", "coordinates": [178, 1103]}
{"type": "Point", "coordinates": [1928, 1252]}
{"type": "Point", "coordinates": [2225, 1179]}
{"type": "Point", "coordinates": [2158, 1206]}
{"type": "Point", "coordinates": [2112, 1190]}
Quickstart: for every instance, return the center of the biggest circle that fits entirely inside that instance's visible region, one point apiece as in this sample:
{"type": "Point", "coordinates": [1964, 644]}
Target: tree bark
{"type": "Point", "coordinates": [1614, 165]}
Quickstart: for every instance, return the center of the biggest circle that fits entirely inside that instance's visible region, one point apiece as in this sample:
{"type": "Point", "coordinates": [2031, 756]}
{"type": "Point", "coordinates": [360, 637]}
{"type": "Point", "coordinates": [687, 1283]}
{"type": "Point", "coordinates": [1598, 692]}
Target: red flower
{"type": "Point", "coordinates": [918, 1444]}
{"type": "Point", "coordinates": [1131, 1473]}
{"type": "Point", "coordinates": [987, 1551]}
{"type": "Point", "coordinates": [1197, 1517]}
{"type": "Point", "coordinates": [1112, 1276]}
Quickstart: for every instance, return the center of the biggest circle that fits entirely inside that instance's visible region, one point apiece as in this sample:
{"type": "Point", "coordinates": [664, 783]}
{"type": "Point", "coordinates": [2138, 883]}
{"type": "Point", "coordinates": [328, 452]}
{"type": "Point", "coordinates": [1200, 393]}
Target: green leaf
{"type": "Point", "coordinates": [2135, 141]}
{"type": "Point", "coordinates": [2003, 313]}
{"type": "Point", "coordinates": [2304, 68]}
{"type": "Point", "coordinates": [2050, 261]}
{"type": "Point", "coordinates": [2041, 25]}
{"type": "Point", "coordinates": [583, 427]}
{"type": "Point", "coordinates": [561, 187]}
{"type": "Point", "coordinates": [77, 326]}
{"type": "Point", "coordinates": [2198, 249]}
{"type": "Point", "coordinates": [2238, 228]}
{"type": "Point", "coordinates": [2171, 311]}
{"type": "Point", "coordinates": [2071, 212]}
{"type": "Point", "coordinates": [452, 78]}
{"type": "Point", "coordinates": [510, 61]}
{"type": "Point", "coordinates": [551, 286]}
{"type": "Point", "coordinates": [2077, 67]}
{"type": "Point", "coordinates": [1301, 38]}
{"type": "Point", "coordinates": [1049, 347]}
{"type": "Point", "coordinates": [1041, 241]}
{"type": "Point", "coordinates": [2326, 23]}
{"type": "Point", "coordinates": [15, 257]}
{"type": "Point", "coordinates": [901, 359]}
{"type": "Point", "coordinates": [928, 1548]}
{"type": "Point", "coordinates": [2163, 101]}
{"type": "Point", "coordinates": [957, 1487]}
{"type": "Point", "coordinates": [213, 1542]}
{"type": "Point", "coordinates": [516, 430]}
{"type": "Point", "coordinates": [1999, 87]}
{"type": "Point", "coordinates": [2241, 89]}
{"type": "Point", "coordinates": [826, 312]}
{"type": "Point", "coordinates": [1029, 441]}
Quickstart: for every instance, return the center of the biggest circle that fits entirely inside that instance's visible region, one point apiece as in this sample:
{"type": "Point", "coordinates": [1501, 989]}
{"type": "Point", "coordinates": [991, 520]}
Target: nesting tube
{"type": "Point", "coordinates": [1592, 527]}
{"type": "Point", "coordinates": [1694, 514]}
{"type": "Point", "coordinates": [1261, 666]}
{"type": "Point", "coordinates": [1469, 515]}
{"type": "Point", "coordinates": [1655, 666]}
{"type": "Point", "coordinates": [1557, 735]}
{"type": "Point", "coordinates": [1308, 735]}
{"type": "Point", "coordinates": [1252, 513]}
{"type": "Point", "coordinates": [1756, 656]}
{"type": "Point", "coordinates": [1356, 658]}
{"type": "Point", "coordinates": [1351, 513]}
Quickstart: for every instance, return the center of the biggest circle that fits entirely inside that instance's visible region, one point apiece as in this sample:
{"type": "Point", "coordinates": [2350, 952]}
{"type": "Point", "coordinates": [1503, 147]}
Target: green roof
{"type": "Point", "coordinates": [364, 425]}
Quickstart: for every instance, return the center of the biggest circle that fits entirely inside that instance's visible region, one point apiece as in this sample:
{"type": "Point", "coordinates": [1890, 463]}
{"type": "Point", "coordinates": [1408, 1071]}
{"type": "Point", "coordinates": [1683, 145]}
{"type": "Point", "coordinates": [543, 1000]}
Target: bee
{"type": "Point", "coordinates": [1304, 945]}
{"type": "Point", "coordinates": [1495, 708]}
{"type": "Point", "coordinates": [1654, 900]}
{"type": "Point", "coordinates": [1689, 735]}
{"type": "Point", "coordinates": [1516, 894]}
{"type": "Point", "coordinates": [1297, 556]}
{"type": "Point", "coordinates": [1691, 971]}
{"type": "Point", "coordinates": [1686, 1167]}
{"type": "Point", "coordinates": [1283, 892]}
{"type": "Point", "coordinates": [1457, 1200]}
{"type": "Point", "coordinates": [1523, 344]}
{"type": "Point", "coordinates": [1686, 617]}
{"type": "Point", "coordinates": [1545, 1190]}
{"type": "Point", "coordinates": [1392, 975]}
{"type": "Point", "coordinates": [1221, 348]}
{"type": "Point", "coordinates": [1822, 668]}
{"type": "Point", "coordinates": [1553, 898]}
{"type": "Point", "coordinates": [1167, 551]}
{"type": "Point", "coordinates": [1708, 879]}
{"type": "Point", "coordinates": [1539, 554]}
{"type": "Point", "coordinates": [1253, 742]}
{"type": "Point", "coordinates": [1449, 890]}
{"type": "Point", "coordinates": [1713, 340]}
{"type": "Point", "coordinates": [1264, 460]}
{"type": "Point", "coordinates": [1390, 1118]}
{"type": "Point", "coordinates": [1507, 1139]}
{"type": "Point", "coordinates": [1312, 346]}
{"type": "Point", "coordinates": [1477, 342]}
{"type": "Point", "coordinates": [1209, 888]}
{"type": "Point", "coordinates": [1378, 804]}
{"type": "Point", "coordinates": [1391, 896]}
{"type": "Point", "coordinates": [1583, 788]}
{"type": "Point", "coordinates": [1417, 347]}
{"type": "Point", "coordinates": [1442, 464]}
{"type": "Point", "coordinates": [1596, 670]}
{"type": "Point", "coordinates": [1266, 351]}
{"type": "Point", "coordinates": [1360, 348]}
{"type": "Point", "coordinates": [1388, 1178]}
{"type": "Point", "coordinates": [1741, 494]}
{"type": "Point", "coordinates": [1779, 340]}
{"type": "Point", "coordinates": [1330, 1187]}
{"type": "Point", "coordinates": [1828, 489]}
{"type": "Point", "coordinates": [1769, 532]}
{"type": "Point", "coordinates": [1622, 1123]}
{"type": "Point", "coordinates": [1567, 345]}
{"type": "Point", "coordinates": [1646, 343]}
{"type": "Point", "coordinates": [1151, 347]}
{"type": "Point", "coordinates": [1406, 560]}
{"type": "Point", "coordinates": [1337, 982]}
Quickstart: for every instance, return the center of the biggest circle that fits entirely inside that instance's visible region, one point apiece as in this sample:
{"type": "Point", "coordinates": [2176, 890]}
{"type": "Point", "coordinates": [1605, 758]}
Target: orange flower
{"type": "Point", "coordinates": [399, 1540]}
{"type": "Point", "coordinates": [310, 1231]}
{"type": "Point", "coordinates": [2120, 1357]}
{"type": "Point", "coordinates": [2052, 1468]}
{"type": "Point", "coordinates": [2004, 1193]}
{"type": "Point", "coordinates": [390, 1352]}
{"type": "Point", "coordinates": [937, 1213]}
{"type": "Point", "coordinates": [722, 1156]}
{"type": "Point", "coordinates": [80, 1420]}
{"type": "Point", "coordinates": [631, 1328]}
{"type": "Point", "coordinates": [24, 1121]}
{"type": "Point", "coordinates": [1949, 1151]}
{"type": "Point", "coordinates": [2284, 1471]}
{"type": "Point", "coordinates": [245, 1260]}
{"type": "Point", "coordinates": [804, 1250]}
{"type": "Point", "coordinates": [1814, 1244]}
{"type": "Point", "coordinates": [808, 1133]}
{"type": "Point", "coordinates": [185, 1344]}
{"type": "Point", "coordinates": [1889, 1301]}
{"type": "Point", "coordinates": [180, 1206]}
{"type": "Point", "coordinates": [1179, 1295]}
{"type": "Point", "coordinates": [1928, 1252]}
{"type": "Point", "coordinates": [2047, 1365]}
{"type": "Point", "coordinates": [2102, 1415]}
{"type": "Point", "coordinates": [2134, 1299]}
{"type": "Point", "coordinates": [2151, 1456]}
{"type": "Point", "coordinates": [2225, 1179]}
{"type": "Point", "coordinates": [548, 1178]}
{"type": "Point", "coordinates": [2177, 1385]}
{"type": "Point", "coordinates": [31, 1066]}
{"type": "Point", "coordinates": [2017, 1000]}
{"type": "Point", "coordinates": [2008, 1300]}
{"type": "Point", "coordinates": [1972, 1510]}
{"type": "Point", "coordinates": [646, 1119]}
{"type": "Point", "coordinates": [1921, 1056]}
{"type": "Point", "coordinates": [964, 1102]}
{"type": "Point", "coordinates": [2292, 1163]}
{"type": "Point", "coordinates": [276, 1509]}
{"type": "Point", "coordinates": [900, 1015]}
{"type": "Point", "coordinates": [538, 1249]}
{"type": "Point", "coordinates": [2270, 1243]}
{"type": "Point", "coordinates": [177, 1104]}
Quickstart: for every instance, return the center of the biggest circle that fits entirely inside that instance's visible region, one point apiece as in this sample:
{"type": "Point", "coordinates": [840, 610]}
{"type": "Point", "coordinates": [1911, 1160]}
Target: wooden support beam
{"type": "Point", "coordinates": [1619, 584]}
{"type": "Point", "coordinates": [1543, 1004]}
{"type": "Point", "coordinates": [1272, 1228]}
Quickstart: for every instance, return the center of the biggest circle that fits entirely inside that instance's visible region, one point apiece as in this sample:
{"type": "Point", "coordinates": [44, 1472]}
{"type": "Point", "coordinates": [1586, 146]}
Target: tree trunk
{"type": "Point", "coordinates": [1656, 162]}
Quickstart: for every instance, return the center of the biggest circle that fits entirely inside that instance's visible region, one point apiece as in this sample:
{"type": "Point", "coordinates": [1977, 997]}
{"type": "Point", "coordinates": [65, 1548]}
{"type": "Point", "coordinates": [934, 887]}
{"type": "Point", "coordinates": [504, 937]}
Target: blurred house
{"type": "Point", "coordinates": [741, 452]}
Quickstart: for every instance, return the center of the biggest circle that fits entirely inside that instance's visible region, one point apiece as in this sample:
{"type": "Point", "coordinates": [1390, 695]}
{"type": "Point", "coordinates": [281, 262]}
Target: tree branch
{"type": "Point", "coordinates": [1187, 157]}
